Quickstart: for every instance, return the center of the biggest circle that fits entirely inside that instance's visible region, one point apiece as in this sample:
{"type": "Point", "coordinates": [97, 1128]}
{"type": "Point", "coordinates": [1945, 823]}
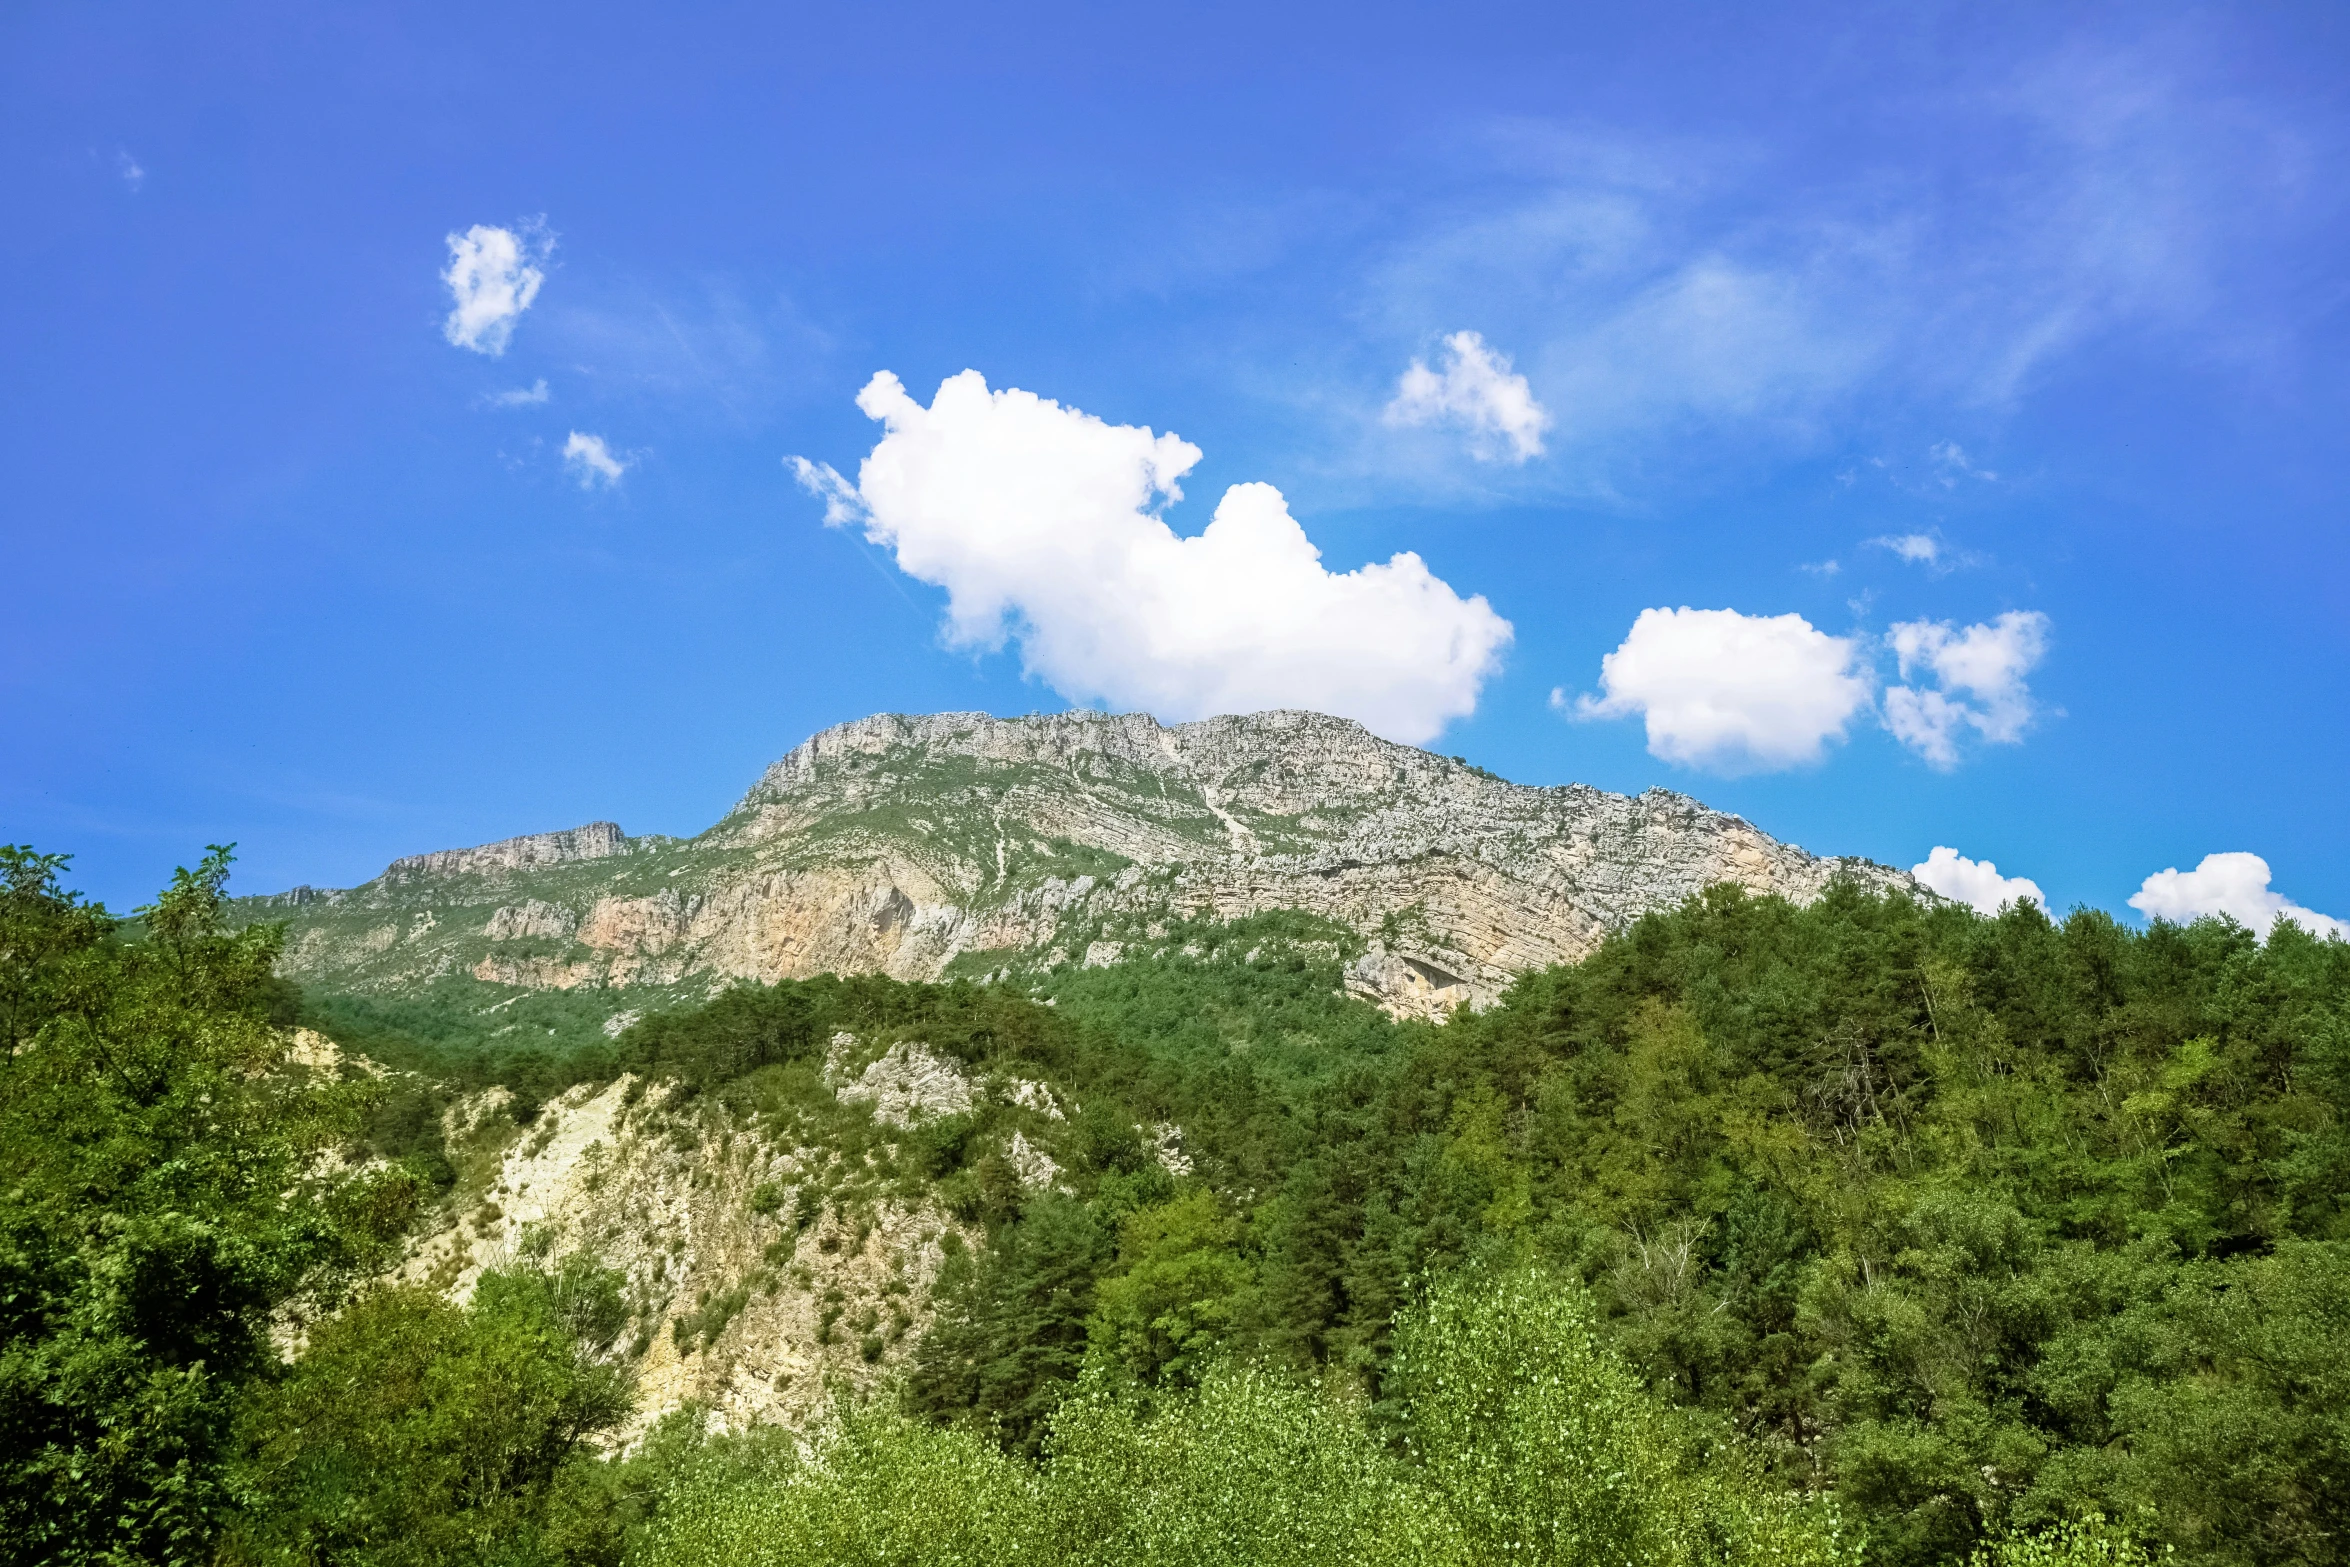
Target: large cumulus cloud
{"type": "Point", "coordinates": [1042, 524]}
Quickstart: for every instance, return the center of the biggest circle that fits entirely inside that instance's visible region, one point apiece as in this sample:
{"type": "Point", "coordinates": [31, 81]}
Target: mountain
{"type": "Point", "coordinates": [964, 845]}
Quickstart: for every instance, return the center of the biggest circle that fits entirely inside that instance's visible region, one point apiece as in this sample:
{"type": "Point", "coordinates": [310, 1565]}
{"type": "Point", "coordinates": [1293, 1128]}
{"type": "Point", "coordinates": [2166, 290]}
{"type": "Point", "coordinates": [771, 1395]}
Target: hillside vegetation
{"type": "Point", "coordinates": [1862, 1231]}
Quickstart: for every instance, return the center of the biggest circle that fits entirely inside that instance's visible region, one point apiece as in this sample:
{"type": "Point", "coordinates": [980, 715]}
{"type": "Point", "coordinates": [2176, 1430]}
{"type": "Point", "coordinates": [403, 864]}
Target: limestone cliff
{"type": "Point", "coordinates": [774, 1243]}
{"type": "Point", "coordinates": [920, 846]}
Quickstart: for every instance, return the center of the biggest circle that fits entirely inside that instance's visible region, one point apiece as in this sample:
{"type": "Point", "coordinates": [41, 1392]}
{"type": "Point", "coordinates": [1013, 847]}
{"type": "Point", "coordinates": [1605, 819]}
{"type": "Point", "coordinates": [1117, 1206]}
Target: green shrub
{"type": "Point", "coordinates": [1546, 1449]}
{"type": "Point", "coordinates": [1253, 1468]}
{"type": "Point", "coordinates": [878, 1490]}
{"type": "Point", "coordinates": [413, 1432]}
{"type": "Point", "coordinates": [1540, 1441]}
{"type": "Point", "coordinates": [1529, 1442]}
{"type": "Point", "coordinates": [2091, 1542]}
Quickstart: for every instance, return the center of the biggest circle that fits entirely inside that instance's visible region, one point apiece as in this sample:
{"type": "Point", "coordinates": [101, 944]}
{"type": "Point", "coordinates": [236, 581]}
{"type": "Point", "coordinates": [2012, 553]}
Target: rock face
{"type": "Point", "coordinates": [771, 1248]}
{"type": "Point", "coordinates": [595, 841]}
{"type": "Point", "coordinates": [752, 1309]}
{"type": "Point", "coordinates": [961, 843]}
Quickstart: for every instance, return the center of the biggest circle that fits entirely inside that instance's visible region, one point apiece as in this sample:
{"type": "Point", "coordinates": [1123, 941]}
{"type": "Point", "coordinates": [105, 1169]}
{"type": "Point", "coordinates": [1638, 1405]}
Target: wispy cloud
{"type": "Point", "coordinates": [594, 462]}
{"type": "Point", "coordinates": [706, 341]}
{"type": "Point", "coordinates": [1919, 549]}
{"type": "Point", "coordinates": [1931, 550]}
{"type": "Point", "coordinates": [1951, 465]}
{"type": "Point", "coordinates": [530, 396]}
{"type": "Point", "coordinates": [1653, 289]}
{"type": "Point", "coordinates": [127, 168]}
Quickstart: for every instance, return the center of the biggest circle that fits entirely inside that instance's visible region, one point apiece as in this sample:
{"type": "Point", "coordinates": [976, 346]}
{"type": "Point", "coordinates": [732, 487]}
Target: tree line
{"type": "Point", "coordinates": [1868, 1230]}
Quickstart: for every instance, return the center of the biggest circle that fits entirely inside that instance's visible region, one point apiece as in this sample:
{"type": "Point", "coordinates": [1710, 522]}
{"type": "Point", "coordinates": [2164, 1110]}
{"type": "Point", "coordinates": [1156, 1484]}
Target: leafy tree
{"type": "Point", "coordinates": [1529, 1442]}
{"type": "Point", "coordinates": [413, 1431]}
{"type": "Point", "coordinates": [1179, 1290]}
{"type": "Point", "coordinates": [155, 1206]}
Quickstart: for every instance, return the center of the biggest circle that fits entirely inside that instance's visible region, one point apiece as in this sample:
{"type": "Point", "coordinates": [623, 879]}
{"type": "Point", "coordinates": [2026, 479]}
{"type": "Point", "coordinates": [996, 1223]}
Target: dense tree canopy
{"type": "Point", "coordinates": [1866, 1231]}
{"type": "Point", "coordinates": [1980, 1224]}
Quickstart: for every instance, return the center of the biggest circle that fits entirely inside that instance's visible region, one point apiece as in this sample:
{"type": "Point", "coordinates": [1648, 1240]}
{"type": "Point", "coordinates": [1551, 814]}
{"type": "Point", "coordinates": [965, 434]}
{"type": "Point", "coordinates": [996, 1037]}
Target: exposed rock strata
{"type": "Point", "coordinates": [901, 845]}
{"type": "Point", "coordinates": [666, 1199]}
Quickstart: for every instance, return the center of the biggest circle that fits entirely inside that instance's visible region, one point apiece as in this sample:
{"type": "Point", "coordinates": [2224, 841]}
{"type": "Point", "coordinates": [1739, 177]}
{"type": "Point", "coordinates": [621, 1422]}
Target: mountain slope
{"type": "Point", "coordinates": [922, 847]}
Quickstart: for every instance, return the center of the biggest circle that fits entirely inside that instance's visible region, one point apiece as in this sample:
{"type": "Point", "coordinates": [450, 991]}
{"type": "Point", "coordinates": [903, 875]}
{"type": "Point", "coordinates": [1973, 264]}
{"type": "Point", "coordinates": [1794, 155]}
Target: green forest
{"type": "Point", "coordinates": [1863, 1232]}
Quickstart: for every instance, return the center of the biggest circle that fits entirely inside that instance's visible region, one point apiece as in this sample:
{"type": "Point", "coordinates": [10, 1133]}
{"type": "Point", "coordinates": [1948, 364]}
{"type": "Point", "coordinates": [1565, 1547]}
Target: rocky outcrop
{"type": "Point", "coordinates": [742, 1298]}
{"type": "Point", "coordinates": [595, 841]}
{"type": "Point", "coordinates": [912, 845]}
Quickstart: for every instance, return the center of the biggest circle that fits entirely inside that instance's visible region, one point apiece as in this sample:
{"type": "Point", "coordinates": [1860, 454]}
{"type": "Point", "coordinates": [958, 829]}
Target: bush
{"type": "Point", "coordinates": [1255, 1467]}
{"type": "Point", "coordinates": [1529, 1443]}
{"type": "Point", "coordinates": [1546, 1449]}
{"type": "Point", "coordinates": [414, 1432]}
{"type": "Point", "coordinates": [2091, 1542]}
{"type": "Point", "coordinates": [878, 1490]}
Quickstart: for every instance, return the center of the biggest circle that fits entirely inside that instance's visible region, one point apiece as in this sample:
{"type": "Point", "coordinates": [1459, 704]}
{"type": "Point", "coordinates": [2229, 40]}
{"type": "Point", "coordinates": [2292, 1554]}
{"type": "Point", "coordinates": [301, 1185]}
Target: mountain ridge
{"type": "Point", "coordinates": [930, 846]}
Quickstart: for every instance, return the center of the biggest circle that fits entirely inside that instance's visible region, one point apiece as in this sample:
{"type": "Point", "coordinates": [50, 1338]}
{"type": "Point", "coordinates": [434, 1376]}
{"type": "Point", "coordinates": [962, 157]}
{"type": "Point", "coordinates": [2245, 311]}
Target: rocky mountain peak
{"type": "Point", "coordinates": [922, 845]}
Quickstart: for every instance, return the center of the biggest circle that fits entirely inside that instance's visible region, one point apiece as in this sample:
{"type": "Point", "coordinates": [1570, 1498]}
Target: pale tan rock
{"type": "Point", "coordinates": [598, 1174]}
{"type": "Point", "coordinates": [898, 845]}
{"type": "Point", "coordinates": [910, 1083]}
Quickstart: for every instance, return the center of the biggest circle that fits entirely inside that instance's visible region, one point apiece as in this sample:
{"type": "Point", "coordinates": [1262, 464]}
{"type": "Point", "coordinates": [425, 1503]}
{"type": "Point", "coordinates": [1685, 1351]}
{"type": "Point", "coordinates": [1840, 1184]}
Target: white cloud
{"type": "Point", "coordinates": [1042, 523]}
{"type": "Point", "coordinates": [1984, 662]}
{"type": "Point", "coordinates": [493, 278]}
{"type": "Point", "coordinates": [2232, 884]}
{"type": "Point", "coordinates": [128, 167]}
{"type": "Point", "coordinates": [1478, 390]}
{"type": "Point", "coordinates": [1975, 883]}
{"type": "Point", "coordinates": [842, 503]}
{"type": "Point", "coordinates": [1665, 288]}
{"type": "Point", "coordinates": [1951, 461]}
{"type": "Point", "coordinates": [530, 396]}
{"type": "Point", "coordinates": [1919, 549]}
{"type": "Point", "coordinates": [1732, 692]}
{"type": "Point", "coordinates": [1928, 722]}
{"type": "Point", "coordinates": [592, 460]}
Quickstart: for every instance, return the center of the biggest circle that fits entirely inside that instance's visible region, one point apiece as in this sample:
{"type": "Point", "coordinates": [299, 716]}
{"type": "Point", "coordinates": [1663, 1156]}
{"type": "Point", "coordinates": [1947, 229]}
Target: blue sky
{"type": "Point", "coordinates": [2050, 303]}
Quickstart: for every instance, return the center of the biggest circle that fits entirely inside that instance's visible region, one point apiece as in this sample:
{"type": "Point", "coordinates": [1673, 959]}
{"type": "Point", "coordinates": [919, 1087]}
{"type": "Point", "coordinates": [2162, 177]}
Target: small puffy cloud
{"type": "Point", "coordinates": [1929, 550]}
{"type": "Point", "coordinates": [1042, 523]}
{"type": "Point", "coordinates": [530, 396]}
{"type": "Point", "coordinates": [1975, 883]}
{"type": "Point", "coordinates": [1978, 675]}
{"type": "Point", "coordinates": [2234, 884]}
{"type": "Point", "coordinates": [1477, 390]}
{"type": "Point", "coordinates": [492, 277]}
{"type": "Point", "coordinates": [128, 167]}
{"type": "Point", "coordinates": [1919, 549]}
{"type": "Point", "coordinates": [588, 457]}
{"type": "Point", "coordinates": [1732, 692]}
